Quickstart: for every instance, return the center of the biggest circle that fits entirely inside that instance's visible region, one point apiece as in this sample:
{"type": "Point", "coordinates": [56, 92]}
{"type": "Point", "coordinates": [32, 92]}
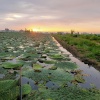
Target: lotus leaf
{"type": "Point", "coordinates": [68, 93]}
{"type": "Point", "coordinates": [10, 94]}
{"type": "Point", "coordinates": [26, 89]}
{"type": "Point", "coordinates": [79, 78]}
{"type": "Point", "coordinates": [6, 84]}
{"type": "Point", "coordinates": [58, 76]}
{"type": "Point", "coordinates": [53, 68]}
{"type": "Point", "coordinates": [66, 65]}
{"type": "Point", "coordinates": [9, 65]}
{"type": "Point", "coordinates": [37, 67]}
{"type": "Point", "coordinates": [57, 57]}
{"type": "Point", "coordinates": [49, 62]}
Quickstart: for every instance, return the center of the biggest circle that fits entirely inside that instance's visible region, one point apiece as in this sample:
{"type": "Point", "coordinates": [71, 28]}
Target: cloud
{"type": "Point", "coordinates": [14, 13]}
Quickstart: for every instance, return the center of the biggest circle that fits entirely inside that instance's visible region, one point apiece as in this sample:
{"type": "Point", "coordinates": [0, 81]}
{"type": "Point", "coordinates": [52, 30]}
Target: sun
{"type": "Point", "coordinates": [35, 30]}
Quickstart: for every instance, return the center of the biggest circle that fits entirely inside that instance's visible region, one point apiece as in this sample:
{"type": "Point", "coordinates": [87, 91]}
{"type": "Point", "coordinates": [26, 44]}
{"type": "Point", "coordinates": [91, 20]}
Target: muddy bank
{"type": "Point", "coordinates": [72, 49]}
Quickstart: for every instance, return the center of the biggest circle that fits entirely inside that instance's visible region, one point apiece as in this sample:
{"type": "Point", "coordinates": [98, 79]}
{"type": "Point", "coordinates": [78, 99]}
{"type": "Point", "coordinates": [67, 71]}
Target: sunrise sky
{"type": "Point", "coordinates": [50, 15]}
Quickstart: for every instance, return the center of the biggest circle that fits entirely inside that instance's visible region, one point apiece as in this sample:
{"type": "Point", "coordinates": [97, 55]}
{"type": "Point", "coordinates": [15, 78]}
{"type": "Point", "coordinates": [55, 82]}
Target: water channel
{"type": "Point", "coordinates": [93, 75]}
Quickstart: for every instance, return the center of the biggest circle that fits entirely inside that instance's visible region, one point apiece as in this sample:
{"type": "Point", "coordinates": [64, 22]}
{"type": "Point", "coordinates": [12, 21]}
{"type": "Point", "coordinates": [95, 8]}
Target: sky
{"type": "Point", "coordinates": [50, 15]}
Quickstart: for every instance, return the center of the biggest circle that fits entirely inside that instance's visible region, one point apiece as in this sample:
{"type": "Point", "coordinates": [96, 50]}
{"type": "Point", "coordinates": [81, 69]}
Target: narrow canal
{"type": "Point", "coordinates": [92, 75]}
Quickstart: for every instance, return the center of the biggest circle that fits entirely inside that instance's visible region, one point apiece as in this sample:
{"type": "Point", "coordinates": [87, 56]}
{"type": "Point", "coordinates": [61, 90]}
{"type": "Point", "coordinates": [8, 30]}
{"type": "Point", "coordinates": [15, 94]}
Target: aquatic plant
{"type": "Point", "coordinates": [26, 89]}
{"type": "Point", "coordinates": [29, 49]}
{"type": "Point", "coordinates": [68, 93]}
{"type": "Point", "coordinates": [7, 58]}
{"type": "Point", "coordinates": [57, 57]}
{"type": "Point", "coordinates": [49, 62]}
{"type": "Point", "coordinates": [53, 68]}
{"type": "Point", "coordinates": [58, 76]}
{"type": "Point", "coordinates": [66, 65]}
{"type": "Point", "coordinates": [10, 94]}
{"type": "Point", "coordinates": [6, 84]}
{"type": "Point", "coordinates": [88, 49]}
{"type": "Point", "coordinates": [37, 67]}
{"type": "Point", "coordinates": [79, 78]}
{"type": "Point", "coordinates": [9, 65]}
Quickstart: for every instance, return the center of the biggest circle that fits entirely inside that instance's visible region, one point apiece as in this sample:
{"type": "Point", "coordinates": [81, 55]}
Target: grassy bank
{"type": "Point", "coordinates": [86, 47]}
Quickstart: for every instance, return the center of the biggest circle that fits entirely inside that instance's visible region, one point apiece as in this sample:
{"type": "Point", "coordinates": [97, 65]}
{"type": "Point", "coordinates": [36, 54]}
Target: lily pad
{"type": "Point", "coordinates": [66, 65]}
{"type": "Point", "coordinates": [49, 62]}
{"type": "Point", "coordinates": [11, 94]}
{"type": "Point", "coordinates": [9, 65]}
{"type": "Point", "coordinates": [79, 78]}
{"type": "Point", "coordinates": [8, 90]}
{"type": "Point", "coordinates": [57, 57]}
{"type": "Point", "coordinates": [26, 89]}
{"type": "Point", "coordinates": [6, 84]}
{"type": "Point", "coordinates": [37, 67]}
{"type": "Point", "coordinates": [53, 68]}
{"type": "Point", "coordinates": [7, 58]}
{"type": "Point", "coordinates": [58, 76]}
{"type": "Point", "coordinates": [64, 93]}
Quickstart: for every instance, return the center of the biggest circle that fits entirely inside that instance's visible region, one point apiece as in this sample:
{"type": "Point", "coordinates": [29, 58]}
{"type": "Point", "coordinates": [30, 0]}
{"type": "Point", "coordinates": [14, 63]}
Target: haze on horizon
{"type": "Point", "coordinates": [51, 15]}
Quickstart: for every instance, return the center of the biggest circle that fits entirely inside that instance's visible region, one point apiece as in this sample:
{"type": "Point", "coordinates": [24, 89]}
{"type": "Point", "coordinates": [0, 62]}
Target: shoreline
{"type": "Point", "coordinates": [72, 49]}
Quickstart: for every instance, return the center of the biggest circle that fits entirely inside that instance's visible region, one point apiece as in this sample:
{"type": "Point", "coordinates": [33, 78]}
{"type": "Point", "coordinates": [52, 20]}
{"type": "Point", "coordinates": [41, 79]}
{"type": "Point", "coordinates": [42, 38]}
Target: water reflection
{"type": "Point", "coordinates": [52, 85]}
{"type": "Point", "coordinates": [26, 80]}
{"type": "Point", "coordinates": [2, 76]}
{"type": "Point", "coordinates": [94, 74]}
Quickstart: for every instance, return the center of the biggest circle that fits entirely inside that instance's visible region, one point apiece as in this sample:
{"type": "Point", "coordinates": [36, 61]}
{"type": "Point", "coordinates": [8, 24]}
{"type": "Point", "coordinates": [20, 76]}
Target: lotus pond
{"type": "Point", "coordinates": [46, 72]}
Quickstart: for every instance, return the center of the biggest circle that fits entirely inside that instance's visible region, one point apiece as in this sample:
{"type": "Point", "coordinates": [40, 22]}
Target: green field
{"type": "Point", "coordinates": [48, 73]}
{"type": "Point", "coordinates": [84, 46]}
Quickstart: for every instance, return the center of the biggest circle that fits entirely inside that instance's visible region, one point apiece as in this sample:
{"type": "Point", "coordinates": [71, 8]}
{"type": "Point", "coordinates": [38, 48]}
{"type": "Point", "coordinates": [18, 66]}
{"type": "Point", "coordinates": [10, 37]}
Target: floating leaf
{"type": "Point", "coordinates": [66, 65]}
{"type": "Point", "coordinates": [49, 62]}
{"type": "Point", "coordinates": [26, 89]}
{"type": "Point", "coordinates": [53, 68]}
{"type": "Point", "coordinates": [79, 78]}
{"type": "Point", "coordinates": [9, 65]}
{"type": "Point", "coordinates": [7, 58]}
{"type": "Point", "coordinates": [64, 93]}
{"type": "Point", "coordinates": [37, 67]}
{"type": "Point", "coordinates": [58, 76]}
{"type": "Point", "coordinates": [57, 57]}
{"type": "Point", "coordinates": [6, 84]}
{"type": "Point", "coordinates": [10, 94]}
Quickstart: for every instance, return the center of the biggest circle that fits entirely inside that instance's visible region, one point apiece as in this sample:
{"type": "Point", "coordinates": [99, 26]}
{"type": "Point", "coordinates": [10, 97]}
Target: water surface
{"type": "Point", "coordinates": [93, 77]}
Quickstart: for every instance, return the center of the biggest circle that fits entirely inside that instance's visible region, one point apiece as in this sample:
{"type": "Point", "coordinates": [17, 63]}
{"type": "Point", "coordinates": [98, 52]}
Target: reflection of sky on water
{"type": "Point", "coordinates": [94, 75]}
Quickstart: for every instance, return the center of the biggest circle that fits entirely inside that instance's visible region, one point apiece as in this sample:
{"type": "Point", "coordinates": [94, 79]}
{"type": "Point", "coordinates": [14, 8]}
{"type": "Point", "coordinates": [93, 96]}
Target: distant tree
{"type": "Point", "coordinates": [21, 30]}
{"type": "Point", "coordinates": [59, 33]}
{"type": "Point", "coordinates": [26, 30]}
{"type": "Point", "coordinates": [6, 29]}
{"type": "Point", "coordinates": [72, 31]}
{"type": "Point", "coordinates": [78, 33]}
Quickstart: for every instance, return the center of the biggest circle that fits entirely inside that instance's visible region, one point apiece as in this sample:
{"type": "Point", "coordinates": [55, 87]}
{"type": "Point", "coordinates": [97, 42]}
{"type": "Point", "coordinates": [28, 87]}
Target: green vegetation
{"type": "Point", "coordinates": [26, 89]}
{"type": "Point", "coordinates": [53, 68]}
{"type": "Point", "coordinates": [37, 67]}
{"type": "Point", "coordinates": [79, 78]}
{"type": "Point", "coordinates": [6, 84]}
{"type": "Point", "coordinates": [42, 64]}
{"type": "Point", "coordinates": [8, 90]}
{"type": "Point", "coordinates": [66, 65]}
{"type": "Point", "coordinates": [12, 65]}
{"type": "Point", "coordinates": [49, 62]}
{"type": "Point", "coordinates": [58, 76]}
{"type": "Point", "coordinates": [64, 93]}
{"type": "Point", "coordinates": [85, 46]}
{"type": "Point", "coordinates": [56, 56]}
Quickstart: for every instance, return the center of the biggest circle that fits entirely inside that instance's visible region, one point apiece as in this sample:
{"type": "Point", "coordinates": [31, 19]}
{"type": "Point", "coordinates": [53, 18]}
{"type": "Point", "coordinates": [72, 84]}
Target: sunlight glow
{"type": "Point", "coordinates": [36, 29]}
